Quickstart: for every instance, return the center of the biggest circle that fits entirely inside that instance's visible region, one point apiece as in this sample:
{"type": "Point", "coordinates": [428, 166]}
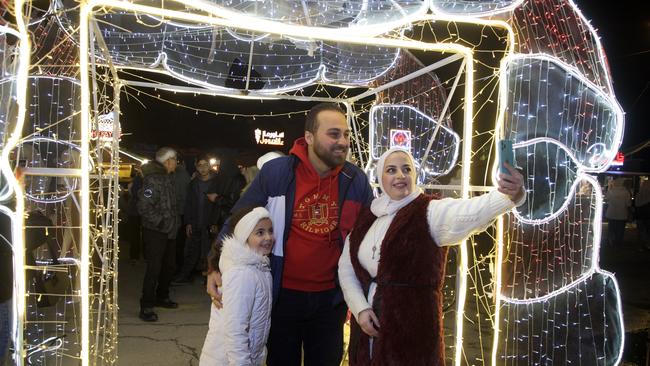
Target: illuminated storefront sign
{"type": "Point", "coordinates": [263, 137]}
{"type": "Point", "coordinates": [400, 138]}
{"type": "Point", "coordinates": [619, 159]}
{"type": "Point", "coordinates": [105, 128]}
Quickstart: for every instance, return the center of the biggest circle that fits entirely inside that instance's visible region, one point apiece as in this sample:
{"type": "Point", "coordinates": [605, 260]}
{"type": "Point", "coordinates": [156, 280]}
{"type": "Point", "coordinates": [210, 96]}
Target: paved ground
{"type": "Point", "coordinates": [177, 338]}
{"type": "Point", "coordinates": [632, 270]}
{"type": "Point", "coordinates": [631, 266]}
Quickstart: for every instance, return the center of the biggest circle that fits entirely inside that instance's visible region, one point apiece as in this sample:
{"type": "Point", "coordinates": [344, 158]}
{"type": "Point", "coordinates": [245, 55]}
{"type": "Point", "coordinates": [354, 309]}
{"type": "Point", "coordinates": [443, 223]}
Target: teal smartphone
{"type": "Point", "coordinates": [506, 155]}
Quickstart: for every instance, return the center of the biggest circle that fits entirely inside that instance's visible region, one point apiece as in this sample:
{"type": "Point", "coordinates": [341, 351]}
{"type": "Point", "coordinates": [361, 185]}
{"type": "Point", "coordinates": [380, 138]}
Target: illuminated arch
{"type": "Point", "coordinates": [358, 45]}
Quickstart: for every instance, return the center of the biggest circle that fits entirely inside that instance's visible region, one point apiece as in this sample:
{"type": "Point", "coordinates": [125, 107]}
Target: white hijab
{"type": "Point", "coordinates": [384, 205]}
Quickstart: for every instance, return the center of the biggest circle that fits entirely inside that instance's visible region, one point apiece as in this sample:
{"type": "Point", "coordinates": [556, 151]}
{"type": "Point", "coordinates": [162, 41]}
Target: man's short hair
{"type": "Point", "coordinates": [202, 156]}
{"type": "Point", "coordinates": [311, 123]}
{"type": "Point", "coordinates": [165, 153]}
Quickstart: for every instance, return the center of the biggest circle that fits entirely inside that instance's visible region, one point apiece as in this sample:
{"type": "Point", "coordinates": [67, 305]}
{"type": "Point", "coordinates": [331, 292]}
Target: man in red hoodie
{"type": "Point", "coordinates": [314, 197]}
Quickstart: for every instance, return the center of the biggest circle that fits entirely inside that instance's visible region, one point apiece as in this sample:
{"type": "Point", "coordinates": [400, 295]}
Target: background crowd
{"type": "Point", "coordinates": [189, 209]}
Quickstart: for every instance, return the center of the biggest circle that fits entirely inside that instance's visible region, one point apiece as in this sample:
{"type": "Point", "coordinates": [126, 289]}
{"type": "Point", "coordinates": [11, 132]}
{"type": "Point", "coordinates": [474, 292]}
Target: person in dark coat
{"type": "Point", "coordinates": [160, 222]}
{"type": "Point", "coordinates": [642, 205]}
{"type": "Point", "coordinates": [198, 213]}
{"type": "Point", "coordinates": [181, 185]}
{"type": "Point", "coordinates": [133, 230]}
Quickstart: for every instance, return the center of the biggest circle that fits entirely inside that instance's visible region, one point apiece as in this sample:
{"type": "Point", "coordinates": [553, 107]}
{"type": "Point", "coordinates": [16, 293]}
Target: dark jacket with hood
{"type": "Point", "coordinates": [157, 200]}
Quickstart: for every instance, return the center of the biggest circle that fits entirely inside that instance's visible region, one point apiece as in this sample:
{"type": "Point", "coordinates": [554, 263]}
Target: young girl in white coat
{"type": "Point", "coordinates": [238, 332]}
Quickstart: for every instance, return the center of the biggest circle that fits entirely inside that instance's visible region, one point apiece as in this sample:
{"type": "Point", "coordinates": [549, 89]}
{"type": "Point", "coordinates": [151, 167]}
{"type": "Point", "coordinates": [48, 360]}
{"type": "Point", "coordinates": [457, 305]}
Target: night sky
{"type": "Point", "coordinates": [624, 30]}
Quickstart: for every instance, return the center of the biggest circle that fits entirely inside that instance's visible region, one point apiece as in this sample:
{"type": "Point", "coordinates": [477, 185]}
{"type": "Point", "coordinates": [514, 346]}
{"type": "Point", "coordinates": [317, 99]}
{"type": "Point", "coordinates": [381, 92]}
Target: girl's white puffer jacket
{"type": "Point", "coordinates": [238, 332]}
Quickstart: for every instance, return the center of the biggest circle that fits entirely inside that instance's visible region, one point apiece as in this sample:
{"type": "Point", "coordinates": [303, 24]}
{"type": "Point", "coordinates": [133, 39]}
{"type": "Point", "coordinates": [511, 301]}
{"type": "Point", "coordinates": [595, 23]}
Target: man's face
{"type": "Point", "coordinates": [331, 141]}
{"type": "Point", "coordinates": [203, 168]}
{"type": "Point", "coordinates": [170, 165]}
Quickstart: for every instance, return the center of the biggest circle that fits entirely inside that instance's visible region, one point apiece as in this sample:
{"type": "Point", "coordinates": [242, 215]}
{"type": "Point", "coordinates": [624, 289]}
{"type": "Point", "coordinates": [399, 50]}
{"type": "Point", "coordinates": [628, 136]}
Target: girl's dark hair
{"type": "Point", "coordinates": [232, 221]}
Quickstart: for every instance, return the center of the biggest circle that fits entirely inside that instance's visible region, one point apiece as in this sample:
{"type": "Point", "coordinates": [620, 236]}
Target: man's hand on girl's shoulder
{"type": "Point", "coordinates": [213, 284]}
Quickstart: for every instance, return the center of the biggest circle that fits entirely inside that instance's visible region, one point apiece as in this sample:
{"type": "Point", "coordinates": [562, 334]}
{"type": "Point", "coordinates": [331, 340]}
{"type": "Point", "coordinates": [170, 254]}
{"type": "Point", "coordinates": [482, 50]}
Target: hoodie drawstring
{"type": "Point", "coordinates": [329, 195]}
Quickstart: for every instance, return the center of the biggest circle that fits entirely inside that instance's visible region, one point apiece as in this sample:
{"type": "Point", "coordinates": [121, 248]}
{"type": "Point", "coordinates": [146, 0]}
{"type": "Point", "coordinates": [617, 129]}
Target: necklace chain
{"type": "Point", "coordinates": [374, 242]}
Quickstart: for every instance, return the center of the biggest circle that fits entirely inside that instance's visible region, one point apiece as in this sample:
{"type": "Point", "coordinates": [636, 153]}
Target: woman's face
{"type": "Point", "coordinates": [398, 176]}
{"type": "Point", "coordinates": [261, 239]}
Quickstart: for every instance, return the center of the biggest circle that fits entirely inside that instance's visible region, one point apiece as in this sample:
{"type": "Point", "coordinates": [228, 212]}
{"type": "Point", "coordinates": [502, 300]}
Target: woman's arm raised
{"type": "Point", "coordinates": [452, 220]}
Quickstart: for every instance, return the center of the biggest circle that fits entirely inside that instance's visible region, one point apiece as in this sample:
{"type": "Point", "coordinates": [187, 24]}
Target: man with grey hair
{"type": "Point", "coordinates": [157, 208]}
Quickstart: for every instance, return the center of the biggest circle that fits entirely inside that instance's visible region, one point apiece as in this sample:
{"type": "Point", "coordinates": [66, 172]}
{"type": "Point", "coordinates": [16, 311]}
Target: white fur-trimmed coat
{"type": "Point", "coordinates": [238, 332]}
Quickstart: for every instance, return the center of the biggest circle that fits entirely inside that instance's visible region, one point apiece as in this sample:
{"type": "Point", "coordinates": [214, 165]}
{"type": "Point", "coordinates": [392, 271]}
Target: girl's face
{"type": "Point", "coordinates": [261, 240]}
{"type": "Point", "coordinates": [398, 176]}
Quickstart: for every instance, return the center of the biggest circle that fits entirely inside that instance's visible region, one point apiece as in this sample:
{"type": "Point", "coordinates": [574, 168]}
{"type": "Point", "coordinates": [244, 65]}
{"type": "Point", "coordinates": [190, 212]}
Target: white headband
{"type": "Point", "coordinates": [246, 224]}
{"type": "Point", "coordinates": [382, 161]}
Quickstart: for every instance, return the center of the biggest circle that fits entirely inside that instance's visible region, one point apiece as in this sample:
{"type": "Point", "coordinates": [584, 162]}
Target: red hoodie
{"type": "Point", "coordinates": [312, 251]}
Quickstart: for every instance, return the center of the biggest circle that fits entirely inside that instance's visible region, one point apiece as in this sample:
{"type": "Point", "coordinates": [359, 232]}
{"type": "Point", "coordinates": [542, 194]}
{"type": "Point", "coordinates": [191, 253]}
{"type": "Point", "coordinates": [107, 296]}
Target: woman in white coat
{"type": "Point", "coordinates": [238, 332]}
{"type": "Point", "coordinates": [392, 266]}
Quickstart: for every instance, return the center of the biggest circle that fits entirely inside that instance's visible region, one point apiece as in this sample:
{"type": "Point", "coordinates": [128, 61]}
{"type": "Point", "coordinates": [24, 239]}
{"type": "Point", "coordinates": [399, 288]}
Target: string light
{"type": "Point", "coordinates": [228, 114]}
{"type": "Point", "coordinates": [19, 68]}
{"type": "Point", "coordinates": [380, 42]}
{"type": "Point", "coordinates": [557, 106]}
{"type": "Point", "coordinates": [434, 147]}
{"type": "Point", "coordinates": [474, 8]}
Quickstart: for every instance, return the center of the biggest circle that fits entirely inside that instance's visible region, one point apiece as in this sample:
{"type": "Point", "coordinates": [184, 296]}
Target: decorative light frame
{"type": "Point", "coordinates": [17, 217]}
{"type": "Point", "coordinates": [86, 12]}
{"type": "Point", "coordinates": [365, 35]}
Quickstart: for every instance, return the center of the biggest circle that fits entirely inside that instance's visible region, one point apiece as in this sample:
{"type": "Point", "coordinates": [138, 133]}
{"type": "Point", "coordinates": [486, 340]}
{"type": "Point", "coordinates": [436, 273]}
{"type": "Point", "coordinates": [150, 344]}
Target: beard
{"type": "Point", "coordinates": [328, 157]}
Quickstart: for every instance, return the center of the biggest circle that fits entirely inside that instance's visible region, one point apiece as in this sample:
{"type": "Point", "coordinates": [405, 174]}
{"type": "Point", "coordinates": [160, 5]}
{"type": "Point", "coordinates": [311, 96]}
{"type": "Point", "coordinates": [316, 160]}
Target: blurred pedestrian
{"type": "Point", "coordinates": [133, 233]}
{"type": "Point", "coordinates": [642, 204]}
{"type": "Point", "coordinates": [198, 211]}
{"type": "Point", "coordinates": [181, 185]}
{"type": "Point", "coordinates": [249, 173]}
{"type": "Point", "coordinates": [160, 222]}
{"type": "Point", "coordinates": [618, 210]}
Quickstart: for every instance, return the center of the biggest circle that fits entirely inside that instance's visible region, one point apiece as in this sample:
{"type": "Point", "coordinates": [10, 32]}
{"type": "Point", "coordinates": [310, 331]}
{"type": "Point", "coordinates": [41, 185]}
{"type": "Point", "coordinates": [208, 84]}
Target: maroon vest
{"type": "Point", "coordinates": [408, 300]}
